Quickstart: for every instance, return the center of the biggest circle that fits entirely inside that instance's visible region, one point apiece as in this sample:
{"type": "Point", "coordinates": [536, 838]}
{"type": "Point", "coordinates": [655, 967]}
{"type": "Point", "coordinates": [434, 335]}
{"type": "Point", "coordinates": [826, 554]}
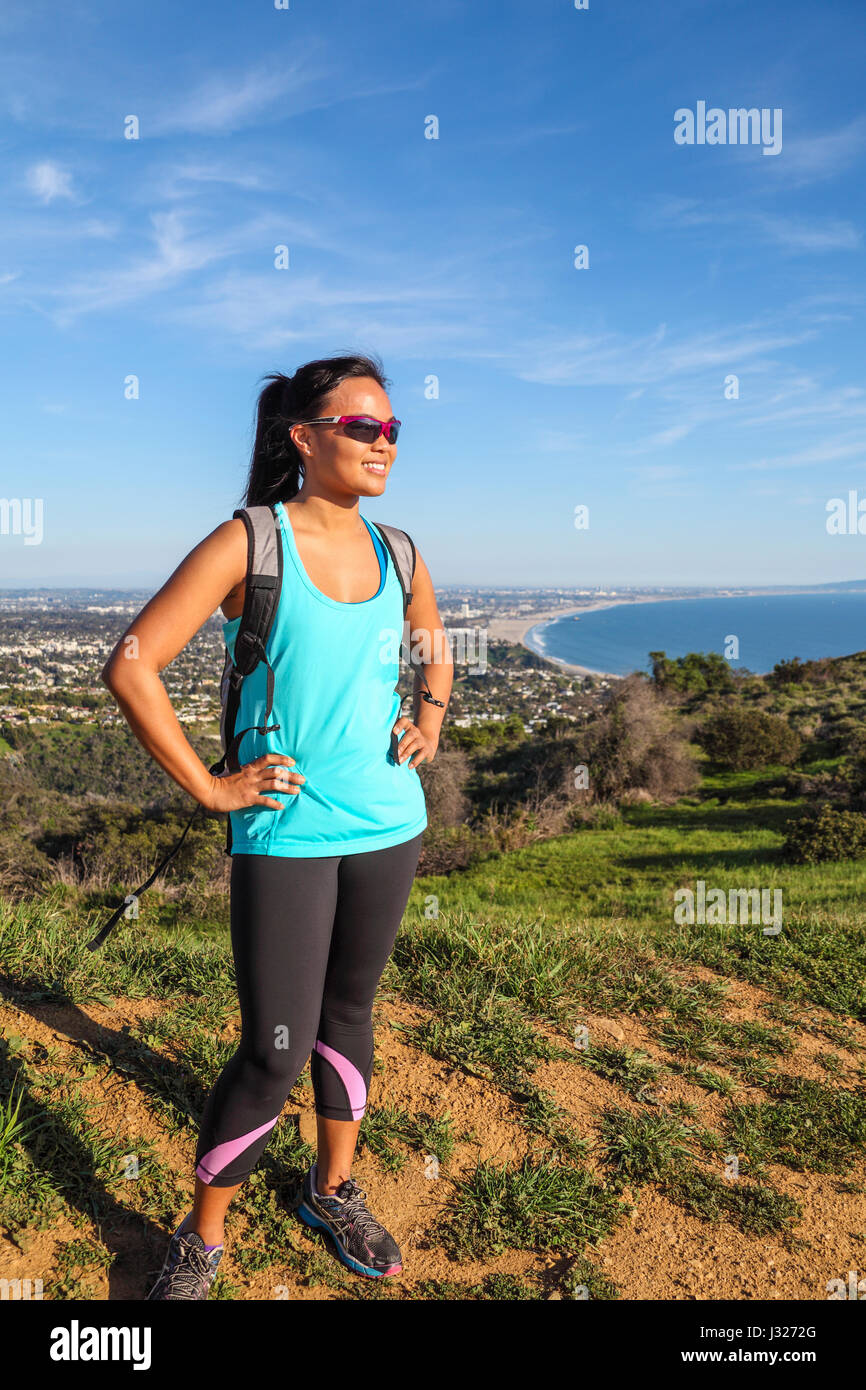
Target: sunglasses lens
{"type": "Point", "coordinates": [364, 430]}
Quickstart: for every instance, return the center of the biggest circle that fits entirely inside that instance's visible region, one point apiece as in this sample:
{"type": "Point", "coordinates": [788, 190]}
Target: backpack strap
{"type": "Point", "coordinates": [402, 551]}
{"type": "Point", "coordinates": [264, 580]}
{"type": "Point", "coordinates": [124, 906]}
{"type": "Point", "coordinates": [261, 595]}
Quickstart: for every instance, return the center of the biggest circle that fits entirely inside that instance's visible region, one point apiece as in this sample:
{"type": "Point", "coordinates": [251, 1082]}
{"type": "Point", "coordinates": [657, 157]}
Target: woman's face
{"type": "Point", "coordinates": [334, 462]}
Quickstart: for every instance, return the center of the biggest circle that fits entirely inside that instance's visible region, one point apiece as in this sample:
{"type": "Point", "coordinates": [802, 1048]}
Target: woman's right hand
{"type": "Point", "coordinates": [235, 790]}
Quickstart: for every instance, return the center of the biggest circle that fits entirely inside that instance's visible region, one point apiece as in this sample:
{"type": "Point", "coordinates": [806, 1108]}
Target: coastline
{"type": "Point", "coordinates": [567, 668]}
{"type": "Point", "coordinates": [517, 629]}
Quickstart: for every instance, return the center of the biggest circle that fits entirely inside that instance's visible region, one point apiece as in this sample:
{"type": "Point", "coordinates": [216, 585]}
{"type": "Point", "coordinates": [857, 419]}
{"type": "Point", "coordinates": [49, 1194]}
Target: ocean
{"type": "Point", "coordinates": [768, 628]}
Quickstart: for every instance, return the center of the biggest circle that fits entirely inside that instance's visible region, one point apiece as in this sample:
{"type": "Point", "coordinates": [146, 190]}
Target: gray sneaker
{"type": "Point", "coordinates": [359, 1240]}
{"type": "Point", "coordinates": [188, 1269]}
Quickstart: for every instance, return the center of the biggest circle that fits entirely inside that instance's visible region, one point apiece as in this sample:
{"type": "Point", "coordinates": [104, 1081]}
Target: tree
{"type": "Point", "coordinates": [696, 673]}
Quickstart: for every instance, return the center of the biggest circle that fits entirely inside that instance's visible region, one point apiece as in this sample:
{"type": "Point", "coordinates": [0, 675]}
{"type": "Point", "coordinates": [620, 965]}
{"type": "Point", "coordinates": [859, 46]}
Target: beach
{"type": "Point", "coordinates": [516, 629]}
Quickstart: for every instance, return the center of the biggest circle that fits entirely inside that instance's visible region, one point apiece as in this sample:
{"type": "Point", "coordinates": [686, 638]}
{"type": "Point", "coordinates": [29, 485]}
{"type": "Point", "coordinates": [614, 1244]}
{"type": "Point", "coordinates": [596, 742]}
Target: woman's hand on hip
{"type": "Point", "coordinates": [234, 791]}
{"type": "Point", "coordinates": [414, 746]}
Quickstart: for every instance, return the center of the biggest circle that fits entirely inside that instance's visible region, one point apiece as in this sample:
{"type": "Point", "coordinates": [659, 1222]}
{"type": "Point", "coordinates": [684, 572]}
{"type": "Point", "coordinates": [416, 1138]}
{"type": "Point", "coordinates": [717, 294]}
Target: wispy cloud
{"type": "Point", "coordinates": [49, 181]}
{"type": "Point", "coordinates": [659, 472]}
{"type": "Point", "coordinates": [558, 441]}
{"type": "Point", "coordinates": [799, 234]}
{"type": "Point", "coordinates": [811, 158]}
{"type": "Point", "coordinates": [227, 102]}
{"type": "Point", "coordinates": [672, 435]}
{"type": "Point", "coordinates": [615, 359]}
{"type": "Point", "coordinates": [518, 136]}
{"type": "Point", "coordinates": [268, 312]}
{"type": "Point", "coordinates": [808, 399]}
{"type": "Point", "coordinates": [176, 255]}
{"type": "Point", "coordinates": [179, 180]}
{"type": "Point", "coordinates": [826, 451]}
{"type": "Point", "coordinates": [685, 405]}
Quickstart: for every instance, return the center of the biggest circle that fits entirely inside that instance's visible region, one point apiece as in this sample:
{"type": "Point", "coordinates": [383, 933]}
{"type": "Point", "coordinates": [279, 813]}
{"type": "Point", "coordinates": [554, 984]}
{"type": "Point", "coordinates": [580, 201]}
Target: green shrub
{"type": "Point", "coordinates": [696, 673]}
{"type": "Point", "coordinates": [792, 672]}
{"type": "Point", "coordinates": [797, 672]}
{"type": "Point", "coordinates": [739, 738]}
{"type": "Point", "coordinates": [826, 834]}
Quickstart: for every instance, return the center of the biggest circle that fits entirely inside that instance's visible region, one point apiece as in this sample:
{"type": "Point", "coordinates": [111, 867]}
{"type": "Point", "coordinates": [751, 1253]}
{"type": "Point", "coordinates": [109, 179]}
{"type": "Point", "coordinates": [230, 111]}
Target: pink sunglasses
{"type": "Point", "coordinates": [364, 428]}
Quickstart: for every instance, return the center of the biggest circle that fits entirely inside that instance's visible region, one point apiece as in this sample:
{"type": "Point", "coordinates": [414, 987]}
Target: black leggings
{"type": "Point", "coordinates": [310, 939]}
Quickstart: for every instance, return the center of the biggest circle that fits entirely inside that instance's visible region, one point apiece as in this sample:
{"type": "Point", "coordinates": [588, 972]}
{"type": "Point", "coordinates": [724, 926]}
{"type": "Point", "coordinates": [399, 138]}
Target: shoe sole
{"type": "Point", "coordinates": [309, 1218]}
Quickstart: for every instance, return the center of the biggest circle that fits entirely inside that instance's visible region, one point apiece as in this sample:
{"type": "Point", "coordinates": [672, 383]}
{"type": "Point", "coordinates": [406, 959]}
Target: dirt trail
{"type": "Point", "coordinates": [659, 1252]}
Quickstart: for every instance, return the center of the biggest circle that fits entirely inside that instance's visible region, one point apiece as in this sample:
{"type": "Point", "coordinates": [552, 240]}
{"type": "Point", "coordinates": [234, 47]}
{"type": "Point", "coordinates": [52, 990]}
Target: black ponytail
{"type": "Point", "coordinates": [276, 466]}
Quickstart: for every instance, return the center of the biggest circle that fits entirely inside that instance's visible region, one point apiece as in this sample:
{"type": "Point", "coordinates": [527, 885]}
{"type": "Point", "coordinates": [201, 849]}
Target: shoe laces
{"type": "Point", "coordinates": [189, 1265]}
{"type": "Point", "coordinates": [354, 1213]}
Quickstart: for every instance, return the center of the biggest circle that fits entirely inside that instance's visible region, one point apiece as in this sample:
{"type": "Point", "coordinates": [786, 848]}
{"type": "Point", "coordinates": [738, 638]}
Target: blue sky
{"type": "Point", "coordinates": [452, 258]}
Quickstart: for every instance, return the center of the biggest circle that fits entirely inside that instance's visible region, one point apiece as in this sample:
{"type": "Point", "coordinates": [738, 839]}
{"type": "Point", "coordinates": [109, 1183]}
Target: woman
{"type": "Point", "coordinates": [319, 882]}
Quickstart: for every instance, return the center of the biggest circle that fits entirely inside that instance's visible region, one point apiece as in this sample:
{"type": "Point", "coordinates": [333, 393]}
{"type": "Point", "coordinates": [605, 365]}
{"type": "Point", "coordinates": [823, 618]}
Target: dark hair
{"type": "Point", "coordinates": [276, 466]}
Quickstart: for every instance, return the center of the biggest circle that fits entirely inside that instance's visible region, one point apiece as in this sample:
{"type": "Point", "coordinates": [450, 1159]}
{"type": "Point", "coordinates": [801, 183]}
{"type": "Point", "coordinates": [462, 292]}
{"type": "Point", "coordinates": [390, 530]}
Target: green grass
{"type": "Point", "coordinates": [643, 1146]}
{"type": "Point", "coordinates": [386, 1131]}
{"type": "Point", "coordinates": [606, 885]}
{"type": "Point", "coordinates": [533, 1205]}
{"type": "Point", "coordinates": [756, 1209]}
{"type": "Point", "coordinates": [807, 1125]}
{"type": "Point", "coordinates": [486, 1035]}
{"type": "Point", "coordinates": [632, 1070]}
{"type": "Point", "coordinates": [656, 1146]}
{"type": "Point", "coordinates": [520, 951]}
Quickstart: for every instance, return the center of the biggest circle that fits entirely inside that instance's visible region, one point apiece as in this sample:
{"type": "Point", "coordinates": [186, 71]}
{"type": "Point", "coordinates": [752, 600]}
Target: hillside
{"type": "Point", "coordinates": [576, 1094]}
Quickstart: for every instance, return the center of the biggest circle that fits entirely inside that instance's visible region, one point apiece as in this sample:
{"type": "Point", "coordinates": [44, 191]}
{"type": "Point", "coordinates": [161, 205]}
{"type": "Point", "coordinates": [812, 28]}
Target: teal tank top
{"type": "Point", "coordinates": [336, 667]}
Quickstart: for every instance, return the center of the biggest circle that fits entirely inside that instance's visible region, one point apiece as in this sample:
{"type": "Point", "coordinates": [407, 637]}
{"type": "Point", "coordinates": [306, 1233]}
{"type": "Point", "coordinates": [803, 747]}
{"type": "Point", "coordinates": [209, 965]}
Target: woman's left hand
{"type": "Point", "coordinates": [414, 746]}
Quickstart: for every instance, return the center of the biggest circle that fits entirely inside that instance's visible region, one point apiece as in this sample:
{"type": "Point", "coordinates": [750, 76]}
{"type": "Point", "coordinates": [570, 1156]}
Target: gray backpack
{"type": "Point", "coordinates": [261, 595]}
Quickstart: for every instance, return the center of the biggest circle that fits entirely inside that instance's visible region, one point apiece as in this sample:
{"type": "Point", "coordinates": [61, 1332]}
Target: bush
{"type": "Point", "coordinates": [785, 672]}
{"type": "Point", "coordinates": [487, 734]}
{"type": "Point", "coordinates": [797, 672]}
{"type": "Point", "coordinates": [697, 673]}
{"type": "Point", "coordinates": [637, 742]}
{"type": "Point", "coordinates": [444, 781]}
{"type": "Point", "coordinates": [826, 834]}
{"type": "Point", "coordinates": [601, 815]}
{"type": "Point", "coordinates": [738, 738]}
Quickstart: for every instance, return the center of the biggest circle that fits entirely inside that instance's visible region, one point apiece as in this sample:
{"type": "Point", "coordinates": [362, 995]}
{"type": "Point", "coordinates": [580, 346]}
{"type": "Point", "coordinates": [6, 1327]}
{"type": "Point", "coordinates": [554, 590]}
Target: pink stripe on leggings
{"type": "Point", "coordinates": [356, 1087]}
{"type": "Point", "coordinates": [216, 1159]}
